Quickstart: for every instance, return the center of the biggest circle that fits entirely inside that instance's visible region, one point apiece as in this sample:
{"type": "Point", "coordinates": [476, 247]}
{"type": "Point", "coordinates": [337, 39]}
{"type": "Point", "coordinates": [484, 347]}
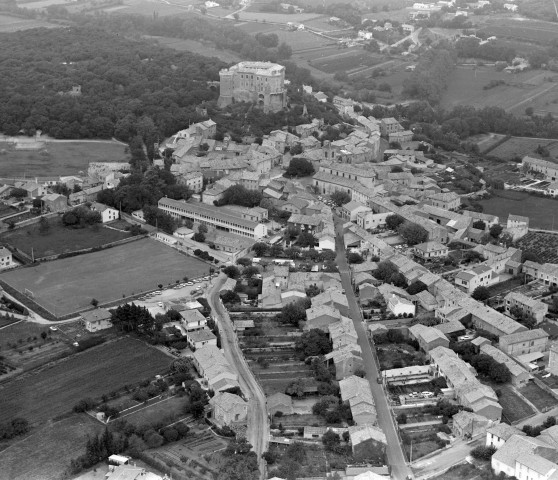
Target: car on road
{"type": "Point", "coordinates": [53, 329]}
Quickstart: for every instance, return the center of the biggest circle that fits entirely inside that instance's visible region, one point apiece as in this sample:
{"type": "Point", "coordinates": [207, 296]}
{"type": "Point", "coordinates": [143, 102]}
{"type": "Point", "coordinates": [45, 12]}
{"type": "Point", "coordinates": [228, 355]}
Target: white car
{"type": "Point", "coordinates": [160, 304]}
{"type": "Point", "coordinates": [427, 394]}
{"type": "Point", "coordinates": [189, 284]}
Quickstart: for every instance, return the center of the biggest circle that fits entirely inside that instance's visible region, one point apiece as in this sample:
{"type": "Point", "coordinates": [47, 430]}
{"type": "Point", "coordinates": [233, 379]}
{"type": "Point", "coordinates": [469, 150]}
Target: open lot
{"type": "Point", "coordinates": [13, 24]}
{"type": "Point", "coordinates": [346, 61]}
{"type": "Point", "coordinates": [514, 408]}
{"type": "Point", "coordinates": [53, 390]}
{"type": "Point", "coordinates": [46, 454]}
{"type": "Point", "coordinates": [159, 411]}
{"type": "Point", "coordinates": [536, 208]}
{"type": "Point", "coordinates": [197, 47]}
{"type": "Point", "coordinates": [63, 158]}
{"type": "Point", "coordinates": [69, 284]}
{"type": "Point", "coordinates": [466, 87]}
{"type": "Point", "coordinates": [59, 239]}
{"type": "Point", "coordinates": [537, 396]}
{"type": "Point", "coordinates": [464, 471]}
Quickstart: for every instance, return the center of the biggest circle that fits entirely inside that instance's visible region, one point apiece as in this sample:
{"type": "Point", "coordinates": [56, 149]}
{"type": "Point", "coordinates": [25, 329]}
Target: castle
{"type": "Point", "coordinates": [262, 83]}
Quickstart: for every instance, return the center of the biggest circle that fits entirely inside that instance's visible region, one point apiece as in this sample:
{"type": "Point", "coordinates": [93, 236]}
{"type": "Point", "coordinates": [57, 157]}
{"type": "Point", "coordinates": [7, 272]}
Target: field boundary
{"type": "Point", "coordinates": [496, 144]}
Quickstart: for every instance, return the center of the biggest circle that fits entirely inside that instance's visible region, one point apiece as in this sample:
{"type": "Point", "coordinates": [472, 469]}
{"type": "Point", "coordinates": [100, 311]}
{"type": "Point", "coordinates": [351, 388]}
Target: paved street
{"type": "Point", "coordinates": [258, 428]}
{"type": "Point", "coordinates": [395, 456]}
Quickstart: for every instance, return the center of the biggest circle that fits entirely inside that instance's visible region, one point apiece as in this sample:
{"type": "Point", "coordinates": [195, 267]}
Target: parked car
{"type": "Point", "coordinates": [427, 394]}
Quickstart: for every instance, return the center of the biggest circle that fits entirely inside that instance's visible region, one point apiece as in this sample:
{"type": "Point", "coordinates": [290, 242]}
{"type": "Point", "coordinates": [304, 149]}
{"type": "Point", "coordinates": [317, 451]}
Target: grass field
{"type": "Point", "coordinates": [537, 396]}
{"type": "Point", "coordinates": [538, 209]}
{"type": "Point", "coordinates": [59, 239]}
{"type": "Point", "coordinates": [519, 147]}
{"type": "Point", "coordinates": [525, 30]}
{"type": "Point", "coordinates": [52, 391]}
{"type": "Point", "coordinates": [107, 275]}
{"type": "Point", "coordinates": [465, 471]}
{"type": "Point", "coordinates": [64, 158]}
{"type": "Point", "coordinates": [13, 24]}
{"type": "Point", "coordinates": [347, 61]}
{"type": "Point", "coordinates": [48, 452]}
{"type": "Point", "coordinates": [520, 91]}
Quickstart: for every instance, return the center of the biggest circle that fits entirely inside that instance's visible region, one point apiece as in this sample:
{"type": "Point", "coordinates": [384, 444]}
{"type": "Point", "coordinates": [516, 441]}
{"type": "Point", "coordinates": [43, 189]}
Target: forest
{"type": "Point", "coordinates": [125, 85]}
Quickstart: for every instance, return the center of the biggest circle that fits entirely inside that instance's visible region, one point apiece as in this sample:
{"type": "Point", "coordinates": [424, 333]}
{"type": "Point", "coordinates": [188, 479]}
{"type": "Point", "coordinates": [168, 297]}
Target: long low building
{"type": "Point", "coordinates": [220, 217]}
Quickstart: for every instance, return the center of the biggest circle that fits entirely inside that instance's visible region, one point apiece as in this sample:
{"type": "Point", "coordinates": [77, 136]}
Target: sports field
{"type": "Point", "coordinates": [54, 390]}
{"type": "Point", "coordinates": [68, 285]}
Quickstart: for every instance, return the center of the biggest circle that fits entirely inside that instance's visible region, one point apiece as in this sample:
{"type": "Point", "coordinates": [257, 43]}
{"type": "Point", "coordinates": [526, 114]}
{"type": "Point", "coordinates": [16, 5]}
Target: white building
{"type": "Point", "coordinates": [108, 214]}
{"type": "Point", "coordinates": [400, 306]}
{"type": "Point", "coordinates": [95, 320]}
{"type": "Point", "coordinates": [5, 257]}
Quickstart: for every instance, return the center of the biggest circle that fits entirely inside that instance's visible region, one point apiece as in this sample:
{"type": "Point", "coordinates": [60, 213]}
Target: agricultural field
{"type": "Point", "coordinates": [52, 391]}
{"type": "Point", "coordinates": [158, 411]}
{"type": "Point", "coordinates": [536, 208]}
{"type": "Point", "coordinates": [59, 239]}
{"type": "Point", "coordinates": [67, 285]}
{"type": "Point", "coordinates": [518, 147]}
{"type": "Point", "coordinates": [48, 451]}
{"type": "Point", "coordinates": [519, 91]}
{"type": "Point", "coordinates": [349, 60]}
{"type": "Point", "coordinates": [274, 17]}
{"type": "Point", "coordinates": [197, 47]}
{"type": "Point", "coordinates": [186, 457]}
{"type": "Point", "coordinates": [14, 24]}
{"type": "Point", "coordinates": [62, 158]}
{"type": "Point", "coordinates": [148, 8]}
{"type": "Point", "coordinates": [545, 245]}
{"type": "Point", "coordinates": [543, 400]}
{"type": "Point", "coordinates": [533, 31]}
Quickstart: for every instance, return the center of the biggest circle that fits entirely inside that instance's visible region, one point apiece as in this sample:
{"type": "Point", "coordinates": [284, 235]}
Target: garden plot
{"type": "Point", "coordinates": [539, 397]}
{"type": "Point", "coordinates": [545, 245]}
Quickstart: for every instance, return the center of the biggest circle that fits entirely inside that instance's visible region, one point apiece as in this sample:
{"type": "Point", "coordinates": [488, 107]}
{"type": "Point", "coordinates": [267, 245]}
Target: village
{"type": "Point", "coordinates": [339, 297]}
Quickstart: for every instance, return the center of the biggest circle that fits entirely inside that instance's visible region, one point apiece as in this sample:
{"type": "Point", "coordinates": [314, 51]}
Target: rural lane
{"type": "Point", "coordinates": [395, 456]}
{"type": "Point", "coordinates": [258, 427]}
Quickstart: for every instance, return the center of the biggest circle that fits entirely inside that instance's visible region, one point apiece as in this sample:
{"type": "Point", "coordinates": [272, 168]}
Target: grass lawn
{"type": "Point", "coordinates": [5, 321]}
{"type": "Point", "coordinates": [20, 331]}
{"type": "Point", "coordinates": [514, 408]}
{"type": "Point", "coordinates": [539, 397]}
{"type": "Point", "coordinates": [59, 239]}
{"type": "Point", "coordinates": [52, 391]}
{"type": "Point", "coordinates": [46, 454]}
{"type": "Point", "coordinates": [64, 158]}
{"type": "Point", "coordinates": [159, 412]}
{"type": "Point", "coordinates": [68, 285]}
{"type": "Point", "coordinates": [520, 203]}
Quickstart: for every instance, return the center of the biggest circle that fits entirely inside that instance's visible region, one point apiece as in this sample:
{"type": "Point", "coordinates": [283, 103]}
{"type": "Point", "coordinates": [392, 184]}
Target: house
{"type": "Point", "coordinates": [477, 276]}
{"type": "Point", "coordinates": [307, 223]}
{"type": "Point", "coordinates": [452, 327]}
{"type": "Point", "coordinates": [95, 320]}
{"type": "Point", "coordinates": [400, 306]}
{"type": "Point", "coordinates": [280, 402]}
{"type": "Point", "coordinates": [200, 338]}
{"type": "Point", "coordinates": [404, 375]}
{"type": "Point", "coordinates": [524, 342]}
{"type": "Point", "coordinates": [400, 137]}
{"type": "Point", "coordinates": [53, 202]}
{"type": "Point", "coordinates": [367, 442]}
{"type": "Point", "coordinates": [108, 214]}
{"type": "Point", "coordinates": [294, 205]}
{"type": "Point", "coordinates": [538, 165]}
{"type": "Point", "coordinates": [446, 200]}
{"type": "Point", "coordinates": [216, 371]}
{"type": "Point", "coordinates": [5, 257]}
{"type": "Point", "coordinates": [357, 393]}
{"type": "Point", "coordinates": [347, 360]}
{"type": "Point", "coordinates": [430, 250]}
{"type": "Point", "coordinates": [326, 241]}
{"type": "Point", "coordinates": [389, 125]}
{"type": "Point", "coordinates": [499, 434]}
{"type": "Point", "coordinates": [192, 320]}
{"type": "Point", "coordinates": [527, 305]}
{"type": "Point", "coordinates": [525, 458]}
{"type": "Point", "coordinates": [321, 316]}
{"type": "Point", "coordinates": [519, 376]}
{"type": "Point", "coordinates": [228, 409]}
{"type": "Point", "coordinates": [193, 180]}
{"type": "Point", "coordinates": [333, 298]}
{"type": "Point", "coordinates": [33, 189]}
{"type": "Point", "coordinates": [350, 210]}
{"type": "Point", "coordinates": [320, 96]}
{"type": "Point", "coordinates": [428, 337]}
{"type": "Point", "coordinates": [469, 425]}
{"type": "Point", "coordinates": [546, 272]}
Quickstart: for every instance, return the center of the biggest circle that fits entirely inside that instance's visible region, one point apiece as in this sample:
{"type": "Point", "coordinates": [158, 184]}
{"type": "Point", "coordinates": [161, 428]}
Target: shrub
{"type": "Point", "coordinates": [483, 453]}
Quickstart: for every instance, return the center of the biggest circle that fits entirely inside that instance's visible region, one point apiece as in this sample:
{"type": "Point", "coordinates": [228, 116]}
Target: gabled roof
{"type": "Point", "coordinates": [227, 401]}
{"type": "Point", "coordinates": [362, 433]}
{"type": "Point", "coordinates": [96, 315]}
{"type": "Point", "coordinates": [523, 336]}
{"type": "Point", "coordinates": [505, 431]}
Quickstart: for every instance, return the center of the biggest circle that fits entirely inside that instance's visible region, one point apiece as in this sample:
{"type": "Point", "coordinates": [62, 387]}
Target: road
{"type": "Point", "coordinates": [258, 426]}
{"type": "Point", "coordinates": [395, 457]}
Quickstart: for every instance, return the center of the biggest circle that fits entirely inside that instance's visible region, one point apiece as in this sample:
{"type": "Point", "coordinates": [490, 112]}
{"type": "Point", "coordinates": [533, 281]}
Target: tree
{"type": "Point", "coordinates": [198, 237]}
{"type": "Point", "coordinates": [397, 169]}
{"type": "Point", "coordinates": [402, 418]}
{"type": "Point", "coordinates": [44, 226]}
{"type": "Point", "coordinates": [154, 440]}
{"type": "Point", "coordinates": [331, 440]}
{"type": "Point", "coordinates": [94, 302]}
{"type": "Point", "coordinates": [295, 388]}
{"type": "Point", "coordinates": [244, 261]}
{"type": "Point", "coordinates": [306, 239]}
{"type": "Point", "coordinates": [299, 167]}
{"type": "Point", "coordinates": [314, 342]}
{"type": "Point", "coordinates": [413, 233]}
{"type": "Point", "coordinates": [229, 297]}
{"type": "Point", "coordinates": [260, 248]}
{"type": "Point", "coordinates": [355, 258]}
{"type": "Point", "coordinates": [293, 313]}
{"type": "Point", "coordinates": [481, 294]}
{"type": "Point", "coordinates": [482, 452]}
{"type": "Point", "coordinates": [479, 225]}
{"type": "Point", "coordinates": [314, 290]}
{"type": "Point", "coordinates": [250, 272]}
{"type": "Point", "coordinates": [284, 51]}
{"type": "Point", "coordinates": [236, 16]}
{"type": "Point", "coordinates": [340, 198]}
{"type": "Point", "coordinates": [231, 271]}
{"type": "Point", "coordinates": [18, 193]}
{"type": "Point", "coordinates": [495, 230]}
{"type": "Point", "coordinates": [416, 287]}
{"type": "Point", "coordinates": [393, 221]}
{"type": "Point", "coordinates": [500, 373]}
